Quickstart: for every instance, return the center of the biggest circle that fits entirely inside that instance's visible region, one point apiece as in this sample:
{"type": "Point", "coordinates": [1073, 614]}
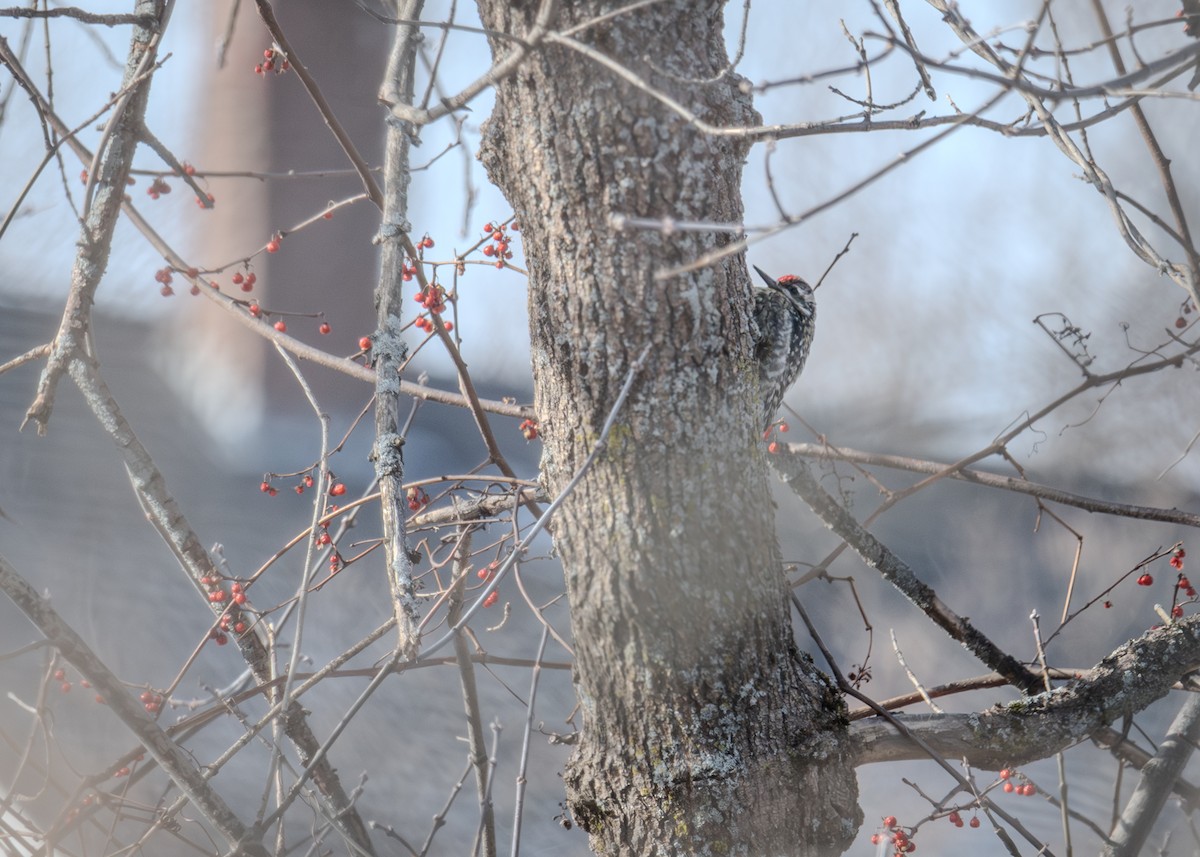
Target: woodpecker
{"type": "Point", "coordinates": [785, 314]}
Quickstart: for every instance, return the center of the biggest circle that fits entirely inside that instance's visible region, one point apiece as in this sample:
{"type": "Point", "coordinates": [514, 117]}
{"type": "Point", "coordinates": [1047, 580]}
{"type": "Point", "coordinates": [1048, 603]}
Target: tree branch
{"type": "Point", "coordinates": [1049, 493]}
{"type": "Point", "coordinates": [1135, 675]}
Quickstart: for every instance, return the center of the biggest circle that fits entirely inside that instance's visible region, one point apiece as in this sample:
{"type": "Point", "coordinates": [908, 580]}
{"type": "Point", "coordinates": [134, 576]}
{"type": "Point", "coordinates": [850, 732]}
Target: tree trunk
{"type": "Point", "coordinates": [703, 728]}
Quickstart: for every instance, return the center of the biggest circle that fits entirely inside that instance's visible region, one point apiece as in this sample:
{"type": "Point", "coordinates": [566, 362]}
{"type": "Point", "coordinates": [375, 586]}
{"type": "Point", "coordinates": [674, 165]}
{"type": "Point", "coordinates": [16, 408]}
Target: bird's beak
{"type": "Point", "coordinates": [770, 283]}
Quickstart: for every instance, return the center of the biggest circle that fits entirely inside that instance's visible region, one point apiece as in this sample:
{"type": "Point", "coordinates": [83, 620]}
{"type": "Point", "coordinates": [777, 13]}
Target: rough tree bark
{"type": "Point", "coordinates": [703, 728]}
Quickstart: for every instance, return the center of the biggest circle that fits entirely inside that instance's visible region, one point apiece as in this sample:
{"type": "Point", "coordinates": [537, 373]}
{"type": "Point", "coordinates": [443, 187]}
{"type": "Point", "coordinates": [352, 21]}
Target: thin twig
{"type": "Point", "coordinates": [522, 767]}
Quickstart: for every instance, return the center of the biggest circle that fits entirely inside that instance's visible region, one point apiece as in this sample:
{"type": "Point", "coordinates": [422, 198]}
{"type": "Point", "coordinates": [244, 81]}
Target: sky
{"type": "Point", "coordinates": [967, 241]}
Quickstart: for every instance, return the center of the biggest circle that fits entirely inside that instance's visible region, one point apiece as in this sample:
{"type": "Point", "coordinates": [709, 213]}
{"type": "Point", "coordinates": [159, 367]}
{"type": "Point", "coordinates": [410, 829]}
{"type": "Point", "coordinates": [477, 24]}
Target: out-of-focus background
{"type": "Point", "coordinates": [925, 348]}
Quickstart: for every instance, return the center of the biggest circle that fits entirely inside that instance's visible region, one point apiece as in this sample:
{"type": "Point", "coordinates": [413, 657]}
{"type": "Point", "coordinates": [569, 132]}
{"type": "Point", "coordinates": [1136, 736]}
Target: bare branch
{"type": "Point", "coordinates": [992, 480]}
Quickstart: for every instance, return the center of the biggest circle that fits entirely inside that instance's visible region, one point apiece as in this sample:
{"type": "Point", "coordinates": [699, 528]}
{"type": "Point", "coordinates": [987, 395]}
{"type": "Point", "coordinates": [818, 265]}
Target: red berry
{"type": "Point", "coordinates": [364, 344]}
{"type": "Point", "coordinates": [324, 328]}
{"type": "Point", "coordinates": [449, 325]}
{"type": "Point", "coordinates": [60, 674]}
{"type": "Point", "coordinates": [337, 489]}
{"type": "Point", "coordinates": [1145, 580]}
{"type": "Point", "coordinates": [889, 822]}
{"type": "Point", "coordinates": [166, 291]}
{"type": "Point", "coordinates": [1009, 788]}
{"type": "Point", "coordinates": [264, 487]}
{"type": "Point", "coordinates": [1005, 773]}
{"type": "Point", "coordinates": [489, 250]}
{"type": "Point", "coordinates": [239, 627]}
{"type": "Point", "coordinates": [1180, 323]}
{"type": "Point", "coordinates": [273, 245]}
{"type": "Point", "coordinates": [254, 310]}
{"type": "Point", "coordinates": [974, 822]}
{"type": "Point", "coordinates": [487, 227]}
{"type": "Point", "coordinates": [492, 598]}
{"type": "Point", "coordinates": [281, 326]}
{"type": "Point", "coordinates": [773, 447]}
{"type": "Point", "coordinates": [65, 687]}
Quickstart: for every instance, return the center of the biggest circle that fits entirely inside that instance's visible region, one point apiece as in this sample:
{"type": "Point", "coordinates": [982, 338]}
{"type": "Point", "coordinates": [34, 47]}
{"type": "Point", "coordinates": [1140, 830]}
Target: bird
{"type": "Point", "coordinates": [785, 314]}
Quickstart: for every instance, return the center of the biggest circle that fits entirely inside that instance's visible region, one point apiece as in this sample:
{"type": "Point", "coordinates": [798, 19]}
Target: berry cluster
{"type": "Point", "coordinates": [165, 276]}
{"type": "Point", "coordinates": [433, 298]}
{"type": "Point", "coordinates": [409, 269]}
{"type": "Point", "coordinates": [486, 574]}
{"type": "Point", "coordinates": [529, 428]}
{"type": "Point", "coordinates": [498, 235]}
{"type": "Point", "coordinates": [957, 821]}
{"type": "Point", "coordinates": [60, 676]}
{"type": "Point", "coordinates": [273, 60]}
{"type": "Point", "coordinates": [900, 839]}
{"type": "Point", "coordinates": [231, 618]}
{"type": "Point", "coordinates": [245, 281]}
{"type": "Point", "coordinates": [769, 435]}
{"type": "Point", "coordinates": [306, 482]}
{"type": "Point", "coordinates": [151, 701]}
{"type": "Point", "coordinates": [158, 187]}
{"type": "Point", "coordinates": [229, 622]}
{"type": "Point", "coordinates": [1186, 309]}
{"type": "Point", "coordinates": [417, 499]}
{"type": "Point", "coordinates": [1022, 787]}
